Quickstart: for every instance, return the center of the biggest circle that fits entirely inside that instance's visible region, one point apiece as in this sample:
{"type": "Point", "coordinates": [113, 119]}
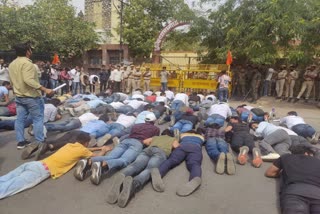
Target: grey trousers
{"type": "Point", "coordinates": [276, 142]}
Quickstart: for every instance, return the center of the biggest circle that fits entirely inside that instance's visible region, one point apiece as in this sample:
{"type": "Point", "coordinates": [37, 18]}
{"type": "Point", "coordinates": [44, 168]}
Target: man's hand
{"type": "Point", "coordinates": [49, 91]}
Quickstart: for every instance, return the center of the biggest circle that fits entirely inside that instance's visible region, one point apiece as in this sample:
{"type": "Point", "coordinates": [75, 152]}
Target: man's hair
{"type": "Point", "coordinates": [86, 99]}
{"type": "Point", "coordinates": [161, 103]}
{"type": "Point", "coordinates": [302, 149]}
{"type": "Point", "coordinates": [95, 79]}
{"type": "Point", "coordinates": [294, 113]}
{"type": "Point", "coordinates": [254, 122]}
{"type": "Point", "coordinates": [147, 107]}
{"type": "Point", "coordinates": [5, 83]}
{"type": "Point", "coordinates": [104, 118]}
{"type": "Point", "coordinates": [22, 48]}
{"type": "Point", "coordinates": [162, 93]}
{"type": "Point", "coordinates": [167, 132]}
{"type": "Point", "coordinates": [83, 137]}
{"type": "Point", "coordinates": [56, 102]}
{"type": "Point", "coordinates": [210, 98]}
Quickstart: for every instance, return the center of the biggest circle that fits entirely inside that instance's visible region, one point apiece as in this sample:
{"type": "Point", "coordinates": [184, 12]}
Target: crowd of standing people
{"type": "Point", "coordinates": [106, 132]}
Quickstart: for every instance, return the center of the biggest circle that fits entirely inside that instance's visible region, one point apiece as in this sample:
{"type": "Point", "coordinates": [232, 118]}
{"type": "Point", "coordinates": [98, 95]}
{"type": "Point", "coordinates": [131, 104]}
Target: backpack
{"type": "Point", "coordinates": [258, 111]}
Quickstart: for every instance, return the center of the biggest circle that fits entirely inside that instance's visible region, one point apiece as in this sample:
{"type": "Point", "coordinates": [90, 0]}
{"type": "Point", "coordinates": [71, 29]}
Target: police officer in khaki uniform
{"type": "Point", "coordinates": [146, 79]}
{"type": "Point", "coordinates": [309, 77]}
{"type": "Point", "coordinates": [291, 78]}
{"type": "Point", "coordinates": [130, 79]}
{"type": "Point", "coordinates": [136, 78]}
{"type": "Point", "coordinates": [281, 79]}
{"type": "Point", "coordinates": [242, 77]}
{"type": "Point", "coordinates": [255, 84]}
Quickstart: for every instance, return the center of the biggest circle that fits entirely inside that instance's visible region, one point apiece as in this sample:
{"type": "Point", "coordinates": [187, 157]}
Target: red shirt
{"type": "Point", "coordinates": [143, 131]}
{"type": "Point", "coordinates": [151, 98]}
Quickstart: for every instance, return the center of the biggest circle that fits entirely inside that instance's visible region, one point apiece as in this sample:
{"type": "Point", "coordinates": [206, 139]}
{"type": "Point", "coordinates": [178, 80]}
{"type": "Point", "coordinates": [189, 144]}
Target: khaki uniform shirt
{"type": "Point", "coordinates": [24, 78]}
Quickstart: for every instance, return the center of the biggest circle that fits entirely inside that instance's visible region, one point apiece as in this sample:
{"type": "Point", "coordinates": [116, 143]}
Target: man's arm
{"type": "Point", "coordinates": [6, 100]}
{"type": "Point", "coordinates": [103, 150]}
{"type": "Point", "coordinates": [228, 129]}
{"type": "Point", "coordinates": [272, 172]}
{"type": "Point", "coordinates": [147, 141]}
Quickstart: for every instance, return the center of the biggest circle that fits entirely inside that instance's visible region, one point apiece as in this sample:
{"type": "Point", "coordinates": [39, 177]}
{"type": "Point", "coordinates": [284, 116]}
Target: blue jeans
{"type": "Point", "coordinates": [75, 86]}
{"type": "Point", "coordinates": [113, 98]}
{"type": "Point", "coordinates": [125, 109]}
{"type": "Point", "coordinates": [164, 86]}
{"type": "Point", "coordinates": [304, 130]}
{"type": "Point", "coordinates": [215, 146]}
{"type": "Point", "coordinates": [177, 104]}
{"type": "Point", "coordinates": [182, 125]}
{"type": "Point", "coordinates": [223, 94]}
{"type": "Point", "coordinates": [53, 83]}
{"type": "Point", "coordinates": [83, 89]}
{"type": "Point", "coordinates": [4, 111]}
{"type": "Point", "coordinates": [44, 83]}
{"type": "Point", "coordinates": [266, 85]}
{"type": "Point", "coordinates": [9, 124]}
{"type": "Point", "coordinates": [35, 108]}
{"type": "Point", "coordinates": [215, 119]}
{"type": "Point", "coordinates": [123, 154]}
{"type": "Point", "coordinates": [149, 158]}
{"type": "Point", "coordinates": [65, 126]}
{"type": "Point", "coordinates": [245, 115]}
{"type": "Point", "coordinates": [116, 130]}
{"type": "Point", "coordinates": [24, 177]}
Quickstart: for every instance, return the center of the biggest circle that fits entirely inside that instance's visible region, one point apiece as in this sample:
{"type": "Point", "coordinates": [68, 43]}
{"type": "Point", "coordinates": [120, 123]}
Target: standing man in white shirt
{"type": "Point", "coordinates": [75, 75]}
{"type": "Point", "coordinates": [164, 79]}
{"type": "Point", "coordinates": [4, 72]}
{"type": "Point", "coordinates": [53, 77]}
{"type": "Point", "coordinates": [116, 78]}
{"type": "Point", "coordinates": [267, 82]}
{"type": "Point", "coordinates": [223, 81]}
{"type": "Point", "coordinates": [94, 81]}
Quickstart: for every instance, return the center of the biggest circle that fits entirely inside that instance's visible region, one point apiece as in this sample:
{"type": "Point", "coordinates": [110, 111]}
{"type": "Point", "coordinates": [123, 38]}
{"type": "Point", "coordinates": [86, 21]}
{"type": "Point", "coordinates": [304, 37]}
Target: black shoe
{"type": "Point", "coordinates": [81, 169]}
{"type": "Point", "coordinates": [43, 148]}
{"type": "Point", "coordinates": [23, 144]}
{"type": "Point", "coordinates": [29, 150]}
{"type": "Point", "coordinates": [296, 100]}
{"type": "Point", "coordinates": [289, 100]}
{"type": "Point", "coordinates": [128, 191]}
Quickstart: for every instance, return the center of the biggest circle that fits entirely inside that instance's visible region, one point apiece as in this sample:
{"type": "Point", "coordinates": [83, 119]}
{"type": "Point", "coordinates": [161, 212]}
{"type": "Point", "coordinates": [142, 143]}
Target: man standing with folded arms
{"type": "Point", "coordinates": [27, 89]}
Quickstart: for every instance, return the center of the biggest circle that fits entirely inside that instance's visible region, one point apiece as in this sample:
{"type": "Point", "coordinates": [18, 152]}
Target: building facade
{"type": "Point", "coordinates": [106, 16]}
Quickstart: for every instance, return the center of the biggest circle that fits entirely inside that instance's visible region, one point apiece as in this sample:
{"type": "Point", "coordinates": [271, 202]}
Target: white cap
{"type": "Point", "coordinates": [271, 70]}
{"type": "Point", "coordinates": [150, 117]}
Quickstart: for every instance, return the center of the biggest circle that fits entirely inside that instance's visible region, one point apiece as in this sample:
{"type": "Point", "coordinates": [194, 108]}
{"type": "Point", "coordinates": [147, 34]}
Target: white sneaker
{"type": "Point", "coordinates": [270, 157]}
{"type": "Point", "coordinates": [315, 138]}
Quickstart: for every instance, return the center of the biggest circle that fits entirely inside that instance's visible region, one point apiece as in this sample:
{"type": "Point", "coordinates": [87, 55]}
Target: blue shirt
{"type": "Point", "coordinates": [97, 128]}
{"type": "Point", "coordinates": [3, 91]}
{"type": "Point", "coordinates": [265, 128]}
{"type": "Point", "coordinates": [141, 117]}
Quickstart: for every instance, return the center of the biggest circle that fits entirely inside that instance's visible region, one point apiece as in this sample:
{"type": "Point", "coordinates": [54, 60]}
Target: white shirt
{"type": "Point", "coordinates": [91, 79]}
{"type": "Point", "coordinates": [169, 94]}
{"type": "Point", "coordinates": [158, 93]}
{"type": "Point", "coordinates": [148, 93]}
{"type": "Point", "coordinates": [116, 75]}
{"type": "Point", "coordinates": [292, 120]}
{"type": "Point", "coordinates": [136, 92]}
{"type": "Point", "coordinates": [221, 109]}
{"type": "Point", "coordinates": [135, 104]}
{"type": "Point", "coordinates": [224, 81]}
{"type": "Point", "coordinates": [75, 75]}
{"type": "Point", "coordinates": [123, 96]}
{"type": "Point", "coordinates": [50, 113]}
{"type": "Point", "coordinates": [116, 105]}
{"type": "Point", "coordinates": [162, 99]}
{"type": "Point", "coordinates": [271, 71]}
{"type": "Point", "coordinates": [4, 74]}
{"type": "Point", "coordinates": [125, 120]}
{"type": "Point", "coordinates": [86, 117]}
{"type": "Point", "coordinates": [183, 97]}
{"type": "Point", "coordinates": [137, 96]}
{"type": "Point", "coordinates": [54, 74]}
{"type": "Point", "coordinates": [214, 98]}
{"type": "Point", "coordinates": [201, 97]}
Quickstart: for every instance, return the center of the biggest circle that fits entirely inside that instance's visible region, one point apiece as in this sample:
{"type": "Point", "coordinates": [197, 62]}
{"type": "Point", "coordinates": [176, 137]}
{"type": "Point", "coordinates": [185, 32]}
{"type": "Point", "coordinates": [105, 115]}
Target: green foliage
{"type": "Point", "coordinates": [262, 31]}
{"type": "Point", "coordinates": [51, 25]}
{"type": "Point", "coordinates": [144, 19]}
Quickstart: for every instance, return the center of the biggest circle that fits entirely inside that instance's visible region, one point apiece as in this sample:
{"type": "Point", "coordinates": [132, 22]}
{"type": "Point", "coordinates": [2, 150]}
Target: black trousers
{"type": "Point", "coordinates": [295, 204]}
{"type": "Point", "coordinates": [242, 139]}
{"type": "Point", "coordinates": [69, 137]}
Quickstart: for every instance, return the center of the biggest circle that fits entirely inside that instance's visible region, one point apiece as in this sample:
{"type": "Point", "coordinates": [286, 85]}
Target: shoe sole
{"type": "Point", "coordinates": [96, 174]}
{"type": "Point", "coordinates": [114, 192]}
{"type": "Point", "coordinates": [125, 193]}
{"type": "Point", "coordinates": [29, 150]}
{"type": "Point", "coordinates": [231, 167]}
{"type": "Point", "coordinates": [257, 161]}
{"type": "Point", "coordinates": [78, 172]}
{"type": "Point", "coordinates": [172, 121]}
{"type": "Point", "coordinates": [243, 153]}
{"type": "Point", "coordinates": [103, 140]}
{"type": "Point", "coordinates": [189, 188]}
{"type": "Point", "coordinates": [21, 147]}
{"type": "Point", "coordinates": [157, 182]}
{"type": "Point", "coordinates": [220, 167]}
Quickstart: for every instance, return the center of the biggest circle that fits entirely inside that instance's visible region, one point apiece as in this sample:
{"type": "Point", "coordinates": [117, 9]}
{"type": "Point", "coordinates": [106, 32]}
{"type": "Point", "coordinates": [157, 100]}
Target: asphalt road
{"type": "Point", "coordinates": [247, 192]}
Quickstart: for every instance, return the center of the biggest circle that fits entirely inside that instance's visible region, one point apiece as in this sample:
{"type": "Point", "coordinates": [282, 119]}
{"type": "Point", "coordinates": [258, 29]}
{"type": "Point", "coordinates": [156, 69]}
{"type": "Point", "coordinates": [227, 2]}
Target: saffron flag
{"type": "Point", "coordinates": [56, 59]}
{"type": "Point", "coordinates": [229, 58]}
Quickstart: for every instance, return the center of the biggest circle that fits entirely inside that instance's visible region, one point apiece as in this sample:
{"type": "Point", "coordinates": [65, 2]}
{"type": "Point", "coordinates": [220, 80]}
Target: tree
{"type": "Point", "coordinates": [51, 25]}
{"type": "Point", "coordinates": [144, 19]}
{"type": "Point", "coordinates": [262, 31]}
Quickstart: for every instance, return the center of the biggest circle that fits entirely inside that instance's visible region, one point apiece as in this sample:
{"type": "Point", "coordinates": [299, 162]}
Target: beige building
{"type": "Point", "coordinates": [106, 16]}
